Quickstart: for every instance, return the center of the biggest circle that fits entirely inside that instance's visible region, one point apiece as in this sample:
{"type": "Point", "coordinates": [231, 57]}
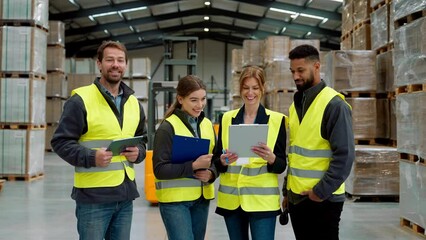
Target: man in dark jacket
{"type": "Point", "coordinates": [321, 150]}
{"type": "Point", "coordinates": [104, 184]}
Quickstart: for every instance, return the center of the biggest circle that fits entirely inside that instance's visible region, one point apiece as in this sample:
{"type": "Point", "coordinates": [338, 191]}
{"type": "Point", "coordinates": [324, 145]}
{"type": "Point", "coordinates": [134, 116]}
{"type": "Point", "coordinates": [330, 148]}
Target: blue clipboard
{"type": "Point", "coordinates": [186, 149]}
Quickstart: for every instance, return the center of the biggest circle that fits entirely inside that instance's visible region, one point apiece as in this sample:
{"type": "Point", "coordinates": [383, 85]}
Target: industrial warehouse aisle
{"type": "Point", "coordinates": [43, 210]}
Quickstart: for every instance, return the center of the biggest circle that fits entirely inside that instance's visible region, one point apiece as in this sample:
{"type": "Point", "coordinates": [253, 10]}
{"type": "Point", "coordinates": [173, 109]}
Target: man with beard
{"type": "Point", "coordinates": [104, 185]}
{"type": "Point", "coordinates": [321, 150]}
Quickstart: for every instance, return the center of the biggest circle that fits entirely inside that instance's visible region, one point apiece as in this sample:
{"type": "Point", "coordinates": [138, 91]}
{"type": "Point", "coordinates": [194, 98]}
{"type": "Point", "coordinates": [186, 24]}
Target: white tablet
{"type": "Point", "coordinates": [243, 136]}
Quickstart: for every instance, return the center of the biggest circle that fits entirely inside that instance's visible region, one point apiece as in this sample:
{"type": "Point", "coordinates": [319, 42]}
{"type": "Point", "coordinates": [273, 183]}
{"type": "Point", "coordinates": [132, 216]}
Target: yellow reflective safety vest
{"type": "Point", "coordinates": [186, 189]}
{"type": "Point", "coordinates": [250, 186]}
{"type": "Point", "coordinates": [102, 128]}
{"type": "Point", "coordinates": [309, 154]}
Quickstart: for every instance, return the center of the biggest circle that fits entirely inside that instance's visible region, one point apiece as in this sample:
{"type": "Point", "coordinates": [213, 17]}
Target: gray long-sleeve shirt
{"type": "Point", "coordinates": [336, 127]}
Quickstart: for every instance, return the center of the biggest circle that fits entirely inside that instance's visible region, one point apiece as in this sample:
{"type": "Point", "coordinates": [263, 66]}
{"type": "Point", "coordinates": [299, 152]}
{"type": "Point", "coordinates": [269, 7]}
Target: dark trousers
{"type": "Point", "coordinates": [316, 220]}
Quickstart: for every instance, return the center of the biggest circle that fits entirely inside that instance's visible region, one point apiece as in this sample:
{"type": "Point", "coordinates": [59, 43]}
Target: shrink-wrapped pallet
{"type": "Point", "coordinates": [404, 8]}
{"type": "Point", "coordinates": [56, 33]}
{"type": "Point", "coordinates": [22, 11]}
{"type": "Point", "coordinates": [385, 71]}
{"type": "Point", "coordinates": [23, 49]}
{"type": "Point", "coordinates": [54, 107]}
{"type": "Point", "coordinates": [237, 60]}
{"type": "Point", "coordinates": [55, 58]}
{"type": "Point", "coordinates": [352, 70]}
{"type": "Point", "coordinates": [253, 52]}
{"type": "Point", "coordinates": [140, 67]}
{"type": "Point", "coordinates": [57, 85]}
{"type": "Point", "coordinates": [412, 198]}
{"type": "Point", "coordinates": [297, 42]}
{"type": "Point", "coordinates": [380, 27]}
{"type": "Point", "coordinates": [279, 76]}
{"type": "Point", "coordinates": [361, 11]}
{"type": "Point", "coordinates": [22, 152]}
{"type": "Point", "coordinates": [347, 18]}
{"type": "Point", "coordinates": [375, 171]}
{"type": "Point", "coordinates": [23, 101]}
{"type": "Point", "coordinates": [411, 131]}
{"type": "Point", "coordinates": [364, 115]}
{"type": "Point", "coordinates": [409, 40]}
{"type": "Point", "coordinates": [361, 37]}
{"type": "Point", "coordinates": [276, 49]}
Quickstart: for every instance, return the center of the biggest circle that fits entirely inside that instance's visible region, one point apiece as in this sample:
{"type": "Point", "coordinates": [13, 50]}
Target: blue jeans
{"type": "Point", "coordinates": [111, 221]}
{"type": "Point", "coordinates": [260, 228]}
{"type": "Point", "coordinates": [185, 220]}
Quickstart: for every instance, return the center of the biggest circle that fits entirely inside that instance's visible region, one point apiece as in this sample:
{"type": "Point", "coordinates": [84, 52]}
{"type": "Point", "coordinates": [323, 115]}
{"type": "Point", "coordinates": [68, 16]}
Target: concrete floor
{"type": "Point", "coordinates": [42, 209]}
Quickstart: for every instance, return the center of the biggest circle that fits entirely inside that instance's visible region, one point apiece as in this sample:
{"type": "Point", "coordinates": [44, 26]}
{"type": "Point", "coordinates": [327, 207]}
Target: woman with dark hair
{"type": "Point", "coordinates": [248, 196]}
{"type": "Point", "coordinates": [184, 190]}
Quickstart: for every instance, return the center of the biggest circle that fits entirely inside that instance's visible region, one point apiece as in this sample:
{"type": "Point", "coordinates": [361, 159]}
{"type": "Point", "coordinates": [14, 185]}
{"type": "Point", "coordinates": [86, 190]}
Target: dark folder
{"type": "Point", "coordinates": [118, 146]}
{"type": "Point", "coordinates": [188, 148]}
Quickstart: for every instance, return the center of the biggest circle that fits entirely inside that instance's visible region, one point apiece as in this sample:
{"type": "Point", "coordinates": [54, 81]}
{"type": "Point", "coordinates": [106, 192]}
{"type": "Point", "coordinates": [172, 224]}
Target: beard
{"type": "Point", "coordinates": [112, 79]}
{"type": "Point", "coordinates": [307, 83]}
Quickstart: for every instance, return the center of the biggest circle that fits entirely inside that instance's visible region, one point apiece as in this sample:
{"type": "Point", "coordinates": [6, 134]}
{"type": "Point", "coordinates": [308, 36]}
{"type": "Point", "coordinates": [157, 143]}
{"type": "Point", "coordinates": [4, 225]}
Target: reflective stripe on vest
{"type": "Point", "coordinates": [250, 186]}
{"type": "Point", "coordinates": [309, 160]}
{"type": "Point", "coordinates": [100, 132]}
{"type": "Point", "coordinates": [186, 189]}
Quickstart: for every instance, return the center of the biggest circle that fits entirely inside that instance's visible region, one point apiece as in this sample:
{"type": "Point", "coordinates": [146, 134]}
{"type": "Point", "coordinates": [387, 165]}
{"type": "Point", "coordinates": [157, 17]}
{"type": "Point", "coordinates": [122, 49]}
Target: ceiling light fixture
{"type": "Point", "coordinates": [92, 17]}
{"type": "Point", "coordinates": [308, 34]}
{"type": "Point", "coordinates": [324, 20]}
{"type": "Point", "coordinates": [106, 31]}
{"type": "Point", "coordinates": [206, 18]}
{"type": "Point", "coordinates": [206, 29]}
{"type": "Point", "coordinates": [207, 3]}
{"type": "Point", "coordinates": [132, 9]}
{"type": "Point", "coordinates": [311, 16]}
{"type": "Point", "coordinates": [103, 14]}
{"type": "Point", "coordinates": [282, 11]}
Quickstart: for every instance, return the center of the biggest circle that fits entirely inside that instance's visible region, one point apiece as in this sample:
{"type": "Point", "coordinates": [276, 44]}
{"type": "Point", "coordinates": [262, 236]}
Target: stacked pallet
{"type": "Point", "coordinates": [56, 89]}
{"type": "Point", "coordinates": [410, 81]}
{"type": "Point", "coordinates": [23, 35]}
{"type": "Point", "coordinates": [353, 73]}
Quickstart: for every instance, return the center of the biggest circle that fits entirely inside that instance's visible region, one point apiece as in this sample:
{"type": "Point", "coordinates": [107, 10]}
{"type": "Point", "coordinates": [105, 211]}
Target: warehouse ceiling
{"type": "Point", "coordinates": [144, 24]}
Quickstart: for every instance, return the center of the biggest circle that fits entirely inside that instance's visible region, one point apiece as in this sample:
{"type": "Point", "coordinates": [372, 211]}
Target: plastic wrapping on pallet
{"type": "Point", "coordinates": [361, 37]}
{"type": "Point", "coordinates": [361, 11]}
{"type": "Point", "coordinates": [276, 49]}
{"type": "Point", "coordinates": [411, 70]}
{"type": "Point", "coordinates": [347, 18]}
{"type": "Point", "coordinates": [412, 199]}
{"type": "Point", "coordinates": [26, 10]}
{"type": "Point", "coordinates": [375, 171]}
{"type": "Point", "coordinates": [403, 8]}
{"type": "Point", "coordinates": [55, 60]}
{"type": "Point", "coordinates": [253, 52]}
{"type": "Point", "coordinates": [22, 152]}
{"type": "Point", "coordinates": [385, 71]}
{"type": "Point", "coordinates": [278, 76]}
{"type": "Point", "coordinates": [23, 49]}
{"type": "Point", "coordinates": [297, 42]}
{"type": "Point", "coordinates": [237, 60]}
{"type": "Point", "coordinates": [351, 70]}
{"type": "Point", "coordinates": [411, 131]}
{"type": "Point", "coordinates": [364, 117]}
{"type": "Point", "coordinates": [380, 27]}
{"type": "Point", "coordinates": [409, 41]}
{"type": "Point", "coordinates": [56, 33]}
{"type": "Point", "coordinates": [23, 101]}
{"type": "Point", "coordinates": [57, 85]}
